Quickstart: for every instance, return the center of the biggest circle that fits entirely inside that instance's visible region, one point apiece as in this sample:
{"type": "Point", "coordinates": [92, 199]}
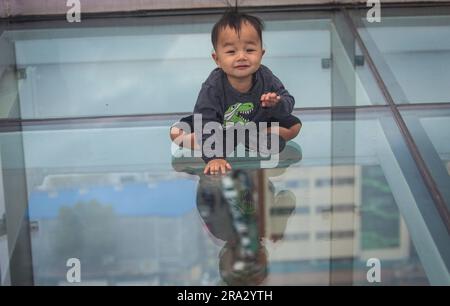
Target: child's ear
{"type": "Point", "coordinates": [263, 52]}
{"type": "Point", "coordinates": [215, 58]}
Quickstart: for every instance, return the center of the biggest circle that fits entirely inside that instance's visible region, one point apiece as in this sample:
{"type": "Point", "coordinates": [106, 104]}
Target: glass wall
{"type": "Point", "coordinates": [158, 66]}
{"type": "Point", "coordinates": [91, 179]}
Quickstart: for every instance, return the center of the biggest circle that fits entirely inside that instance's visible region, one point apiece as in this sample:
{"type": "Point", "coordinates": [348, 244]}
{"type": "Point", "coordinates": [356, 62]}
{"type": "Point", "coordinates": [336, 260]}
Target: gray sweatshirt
{"type": "Point", "coordinates": [218, 101]}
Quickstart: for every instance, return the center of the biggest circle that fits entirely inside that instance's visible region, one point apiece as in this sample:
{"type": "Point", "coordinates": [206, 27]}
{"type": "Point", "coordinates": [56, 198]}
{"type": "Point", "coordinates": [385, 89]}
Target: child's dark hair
{"type": "Point", "coordinates": [234, 19]}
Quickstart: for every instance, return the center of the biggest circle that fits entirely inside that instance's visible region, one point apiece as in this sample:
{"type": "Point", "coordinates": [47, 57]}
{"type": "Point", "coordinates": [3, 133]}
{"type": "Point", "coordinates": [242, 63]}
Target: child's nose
{"type": "Point", "coordinates": [242, 56]}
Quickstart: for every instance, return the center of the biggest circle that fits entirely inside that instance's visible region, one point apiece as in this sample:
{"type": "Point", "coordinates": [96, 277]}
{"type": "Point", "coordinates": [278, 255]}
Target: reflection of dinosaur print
{"type": "Point", "coordinates": [232, 115]}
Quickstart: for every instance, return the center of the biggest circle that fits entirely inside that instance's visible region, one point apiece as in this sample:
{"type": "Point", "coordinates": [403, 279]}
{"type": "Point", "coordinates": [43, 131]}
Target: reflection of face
{"type": "Point", "coordinates": [239, 55]}
{"type": "Point", "coordinates": [237, 272]}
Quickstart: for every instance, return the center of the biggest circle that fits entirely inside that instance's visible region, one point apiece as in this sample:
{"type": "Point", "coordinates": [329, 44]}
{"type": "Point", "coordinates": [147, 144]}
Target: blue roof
{"type": "Point", "coordinates": [166, 198]}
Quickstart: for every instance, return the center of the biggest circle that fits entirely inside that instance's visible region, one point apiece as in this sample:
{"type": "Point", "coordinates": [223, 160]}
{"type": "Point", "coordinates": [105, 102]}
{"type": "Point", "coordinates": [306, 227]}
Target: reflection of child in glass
{"type": "Point", "coordinates": [240, 89]}
{"type": "Point", "coordinates": [230, 213]}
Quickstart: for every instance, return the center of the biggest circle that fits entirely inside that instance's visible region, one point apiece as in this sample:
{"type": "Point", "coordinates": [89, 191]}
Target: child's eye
{"type": "Point", "coordinates": [229, 52]}
{"type": "Point", "coordinates": [250, 50]}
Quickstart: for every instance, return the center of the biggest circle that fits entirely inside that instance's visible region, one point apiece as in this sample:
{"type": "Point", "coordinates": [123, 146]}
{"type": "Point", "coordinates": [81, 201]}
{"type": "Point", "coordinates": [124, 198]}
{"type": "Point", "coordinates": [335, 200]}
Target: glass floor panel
{"type": "Point", "coordinates": [110, 198]}
{"type": "Point", "coordinates": [429, 128]}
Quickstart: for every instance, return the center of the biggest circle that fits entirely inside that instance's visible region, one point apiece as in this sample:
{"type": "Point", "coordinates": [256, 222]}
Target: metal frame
{"type": "Point", "coordinates": [343, 94]}
{"type": "Point", "coordinates": [429, 181]}
{"type": "Point", "coordinates": [429, 236]}
{"type": "Point", "coordinates": [16, 207]}
{"type": "Point", "coordinates": [205, 11]}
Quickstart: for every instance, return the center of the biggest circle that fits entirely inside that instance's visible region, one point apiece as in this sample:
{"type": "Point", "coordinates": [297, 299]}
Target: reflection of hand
{"type": "Point", "coordinates": [217, 165]}
{"type": "Point", "coordinates": [270, 99]}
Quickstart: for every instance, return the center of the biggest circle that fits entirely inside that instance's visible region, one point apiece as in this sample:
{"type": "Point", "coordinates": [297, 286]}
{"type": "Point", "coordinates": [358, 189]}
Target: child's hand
{"type": "Point", "coordinates": [216, 165]}
{"type": "Point", "coordinates": [270, 99]}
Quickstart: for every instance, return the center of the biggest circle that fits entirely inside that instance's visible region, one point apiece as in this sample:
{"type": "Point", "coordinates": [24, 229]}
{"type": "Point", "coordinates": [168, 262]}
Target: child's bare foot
{"type": "Point", "coordinates": [180, 138]}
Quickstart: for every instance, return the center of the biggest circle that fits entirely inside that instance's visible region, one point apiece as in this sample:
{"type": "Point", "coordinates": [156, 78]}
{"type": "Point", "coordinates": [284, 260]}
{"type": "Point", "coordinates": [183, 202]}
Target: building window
{"type": "Point", "coordinates": [335, 235]}
{"type": "Point", "coordinates": [335, 181]}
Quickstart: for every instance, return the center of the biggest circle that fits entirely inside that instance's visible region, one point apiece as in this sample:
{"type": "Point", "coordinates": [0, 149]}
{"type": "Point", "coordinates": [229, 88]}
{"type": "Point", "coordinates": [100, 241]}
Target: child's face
{"type": "Point", "coordinates": [239, 56]}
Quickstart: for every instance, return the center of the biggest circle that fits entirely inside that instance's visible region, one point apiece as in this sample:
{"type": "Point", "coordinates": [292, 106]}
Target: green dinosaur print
{"type": "Point", "coordinates": [233, 113]}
